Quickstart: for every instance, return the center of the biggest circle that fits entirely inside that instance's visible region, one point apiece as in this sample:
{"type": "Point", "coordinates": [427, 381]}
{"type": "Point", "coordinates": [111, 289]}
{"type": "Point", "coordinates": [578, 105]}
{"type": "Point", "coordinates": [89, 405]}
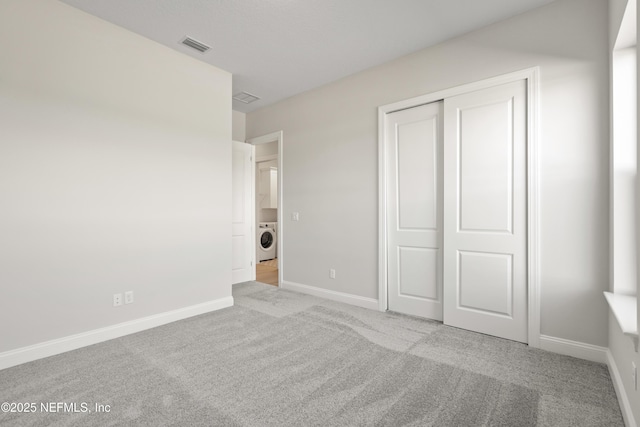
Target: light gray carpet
{"type": "Point", "coordinates": [280, 358]}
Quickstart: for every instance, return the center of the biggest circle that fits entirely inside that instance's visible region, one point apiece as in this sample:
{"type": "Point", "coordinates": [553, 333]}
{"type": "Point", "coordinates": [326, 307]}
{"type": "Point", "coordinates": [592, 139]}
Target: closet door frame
{"type": "Point", "coordinates": [532, 77]}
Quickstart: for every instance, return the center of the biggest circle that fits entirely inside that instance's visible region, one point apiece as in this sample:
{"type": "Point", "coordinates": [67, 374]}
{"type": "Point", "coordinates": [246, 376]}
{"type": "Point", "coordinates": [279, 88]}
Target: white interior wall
{"type": "Point", "coordinates": [114, 175]}
{"type": "Point", "coordinates": [637, 355]}
{"type": "Point", "coordinates": [268, 149]}
{"type": "Point", "coordinates": [265, 151]}
{"type": "Point", "coordinates": [269, 214]}
{"type": "Point", "coordinates": [238, 132]}
{"type": "Point", "coordinates": [330, 160]}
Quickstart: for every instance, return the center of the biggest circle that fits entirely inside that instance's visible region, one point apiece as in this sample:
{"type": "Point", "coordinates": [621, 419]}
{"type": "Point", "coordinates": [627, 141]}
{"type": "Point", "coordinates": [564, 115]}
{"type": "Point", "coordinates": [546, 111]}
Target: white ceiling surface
{"type": "Point", "coordinates": [278, 48]}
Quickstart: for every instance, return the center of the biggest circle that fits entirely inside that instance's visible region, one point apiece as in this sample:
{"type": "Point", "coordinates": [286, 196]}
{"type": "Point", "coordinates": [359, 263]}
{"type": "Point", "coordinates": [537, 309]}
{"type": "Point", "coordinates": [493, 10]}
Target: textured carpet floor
{"type": "Point", "coordinates": [279, 358]}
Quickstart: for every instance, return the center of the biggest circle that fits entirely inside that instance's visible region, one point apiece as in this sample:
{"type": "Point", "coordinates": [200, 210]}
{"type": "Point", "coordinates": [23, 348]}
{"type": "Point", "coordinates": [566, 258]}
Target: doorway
{"type": "Point", "coordinates": [268, 208]}
{"type": "Point", "coordinates": [458, 207]}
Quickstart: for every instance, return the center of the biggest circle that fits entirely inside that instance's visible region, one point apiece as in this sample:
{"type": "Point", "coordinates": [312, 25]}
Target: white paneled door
{"type": "Point", "coordinates": [485, 224]}
{"type": "Point", "coordinates": [243, 236]}
{"type": "Point", "coordinates": [414, 210]}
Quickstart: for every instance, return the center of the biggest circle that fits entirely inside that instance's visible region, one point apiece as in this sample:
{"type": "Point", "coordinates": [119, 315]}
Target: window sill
{"type": "Point", "coordinates": [624, 308]}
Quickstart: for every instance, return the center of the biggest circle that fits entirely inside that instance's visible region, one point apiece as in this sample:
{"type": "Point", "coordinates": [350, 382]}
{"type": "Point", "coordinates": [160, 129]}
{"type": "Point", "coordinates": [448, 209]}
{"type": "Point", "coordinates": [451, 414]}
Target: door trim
{"type": "Point", "coordinates": [532, 77]}
{"type": "Point", "coordinates": [264, 139]}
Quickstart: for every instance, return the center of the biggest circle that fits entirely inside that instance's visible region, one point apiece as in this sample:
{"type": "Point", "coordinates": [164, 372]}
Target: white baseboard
{"type": "Point", "coordinates": [577, 349]}
{"type": "Point", "coordinates": [625, 405]}
{"type": "Point", "coordinates": [73, 342]}
{"type": "Point", "coordinates": [356, 300]}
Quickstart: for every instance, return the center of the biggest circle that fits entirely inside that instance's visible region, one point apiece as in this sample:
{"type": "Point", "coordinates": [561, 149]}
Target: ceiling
{"type": "Point", "coordinates": [278, 48]}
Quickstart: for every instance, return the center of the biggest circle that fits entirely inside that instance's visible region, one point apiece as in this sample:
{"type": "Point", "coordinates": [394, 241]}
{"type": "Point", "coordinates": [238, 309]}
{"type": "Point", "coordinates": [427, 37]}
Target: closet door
{"type": "Point", "coordinates": [485, 224]}
{"type": "Point", "coordinates": [413, 145]}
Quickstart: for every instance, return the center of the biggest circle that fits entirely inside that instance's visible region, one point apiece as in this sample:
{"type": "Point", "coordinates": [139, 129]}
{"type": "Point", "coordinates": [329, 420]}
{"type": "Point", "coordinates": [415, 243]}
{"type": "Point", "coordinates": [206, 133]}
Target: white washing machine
{"type": "Point", "coordinates": [267, 232]}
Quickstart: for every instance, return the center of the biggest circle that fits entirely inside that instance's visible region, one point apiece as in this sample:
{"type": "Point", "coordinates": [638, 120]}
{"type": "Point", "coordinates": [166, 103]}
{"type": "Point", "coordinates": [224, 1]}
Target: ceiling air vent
{"type": "Point", "coordinates": [245, 97]}
{"type": "Point", "coordinates": [195, 44]}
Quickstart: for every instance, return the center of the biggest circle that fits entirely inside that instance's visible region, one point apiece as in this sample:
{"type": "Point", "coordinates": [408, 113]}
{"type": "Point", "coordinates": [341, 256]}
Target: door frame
{"type": "Point", "coordinates": [532, 77]}
{"type": "Point", "coordinates": [265, 139]}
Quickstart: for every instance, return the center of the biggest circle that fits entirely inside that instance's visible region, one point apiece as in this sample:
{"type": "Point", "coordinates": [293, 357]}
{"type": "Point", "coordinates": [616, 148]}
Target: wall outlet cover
{"type": "Point", "coordinates": [117, 300]}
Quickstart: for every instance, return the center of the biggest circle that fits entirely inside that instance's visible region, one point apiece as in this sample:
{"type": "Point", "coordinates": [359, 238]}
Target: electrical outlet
{"type": "Point", "coordinates": [128, 297]}
{"type": "Point", "coordinates": [332, 273]}
{"type": "Point", "coordinates": [117, 300]}
{"type": "Point", "coordinates": [634, 373]}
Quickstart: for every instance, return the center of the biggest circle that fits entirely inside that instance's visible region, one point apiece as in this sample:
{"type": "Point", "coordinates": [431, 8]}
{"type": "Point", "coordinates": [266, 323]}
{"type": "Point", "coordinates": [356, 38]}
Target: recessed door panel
{"type": "Point", "coordinates": [485, 282]}
{"type": "Point", "coordinates": [417, 170]}
{"type": "Point", "coordinates": [413, 145]}
{"type": "Point", "coordinates": [418, 270]}
{"type": "Point", "coordinates": [485, 167]}
{"type": "Point", "coordinates": [238, 250]}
